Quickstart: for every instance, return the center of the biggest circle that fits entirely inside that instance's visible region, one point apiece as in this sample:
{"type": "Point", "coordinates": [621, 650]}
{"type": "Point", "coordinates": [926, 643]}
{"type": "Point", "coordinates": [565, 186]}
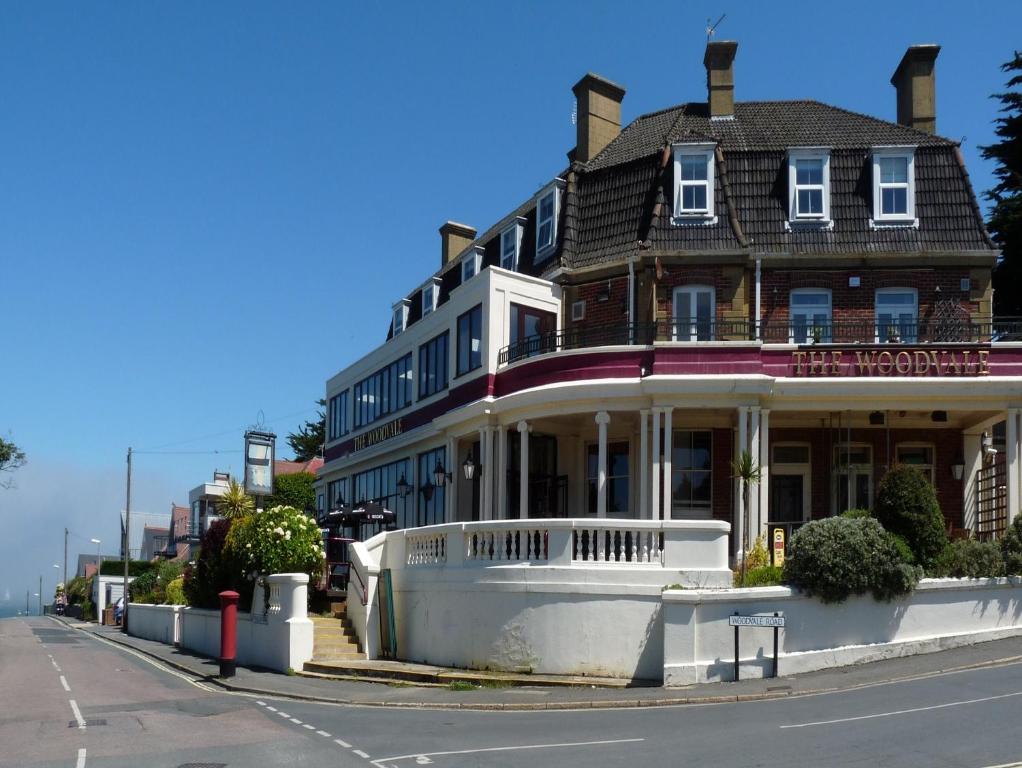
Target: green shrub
{"type": "Point", "coordinates": [903, 548]}
{"type": "Point", "coordinates": [763, 576]}
{"type": "Point", "coordinates": [116, 567]}
{"type": "Point", "coordinates": [1011, 548]}
{"type": "Point", "coordinates": [758, 556]}
{"type": "Point", "coordinates": [175, 592]}
{"type": "Point", "coordinates": [855, 514]}
{"type": "Point", "coordinates": [214, 570]}
{"type": "Point", "coordinates": [968, 558]}
{"type": "Point", "coordinates": [142, 589]}
{"type": "Point", "coordinates": [907, 506]}
{"type": "Point", "coordinates": [839, 557]}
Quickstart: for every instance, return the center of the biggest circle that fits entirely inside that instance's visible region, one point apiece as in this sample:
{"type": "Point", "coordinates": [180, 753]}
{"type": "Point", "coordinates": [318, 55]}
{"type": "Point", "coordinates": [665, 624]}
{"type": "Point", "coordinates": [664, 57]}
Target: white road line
{"type": "Point", "coordinates": [383, 760]}
{"type": "Point", "coordinates": [1005, 765]}
{"type": "Point", "coordinates": [78, 715]}
{"type": "Point", "coordinates": [270, 709]}
{"type": "Point", "coordinates": [63, 682]}
{"type": "Point", "coordinates": [360, 753]}
{"type": "Point", "coordinates": [81, 758]}
{"type": "Point", "coordinates": [323, 734]}
{"type": "Point", "coordinates": [310, 727]}
{"type": "Point", "coordinates": [283, 714]}
{"type": "Point", "coordinates": [904, 711]}
{"type": "Point", "coordinates": [342, 743]}
{"type": "Point", "coordinates": [296, 721]}
{"type": "Point", "coordinates": [261, 703]}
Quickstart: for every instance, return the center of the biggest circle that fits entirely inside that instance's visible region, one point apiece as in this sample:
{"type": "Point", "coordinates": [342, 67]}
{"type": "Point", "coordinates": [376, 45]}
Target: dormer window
{"type": "Point", "coordinates": [471, 263]}
{"type": "Point", "coordinates": [894, 185]}
{"type": "Point", "coordinates": [546, 219]}
{"type": "Point", "coordinates": [693, 182]}
{"type": "Point", "coordinates": [430, 292]}
{"type": "Point", "coordinates": [511, 245]}
{"type": "Point", "coordinates": [809, 185]}
{"type": "Point", "coordinates": [400, 320]}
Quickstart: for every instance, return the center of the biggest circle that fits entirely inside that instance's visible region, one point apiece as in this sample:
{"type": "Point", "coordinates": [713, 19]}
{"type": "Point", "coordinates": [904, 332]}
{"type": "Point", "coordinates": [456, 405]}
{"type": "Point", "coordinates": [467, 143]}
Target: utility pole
{"type": "Point", "coordinates": [26, 601]}
{"type": "Point", "coordinates": [40, 595]}
{"type": "Point", "coordinates": [127, 546]}
{"type": "Point", "coordinates": [65, 566]}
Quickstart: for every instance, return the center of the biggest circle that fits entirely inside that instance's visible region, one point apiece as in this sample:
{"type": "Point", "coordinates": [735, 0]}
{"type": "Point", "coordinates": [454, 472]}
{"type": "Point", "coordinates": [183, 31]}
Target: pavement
{"type": "Point", "coordinates": [493, 693]}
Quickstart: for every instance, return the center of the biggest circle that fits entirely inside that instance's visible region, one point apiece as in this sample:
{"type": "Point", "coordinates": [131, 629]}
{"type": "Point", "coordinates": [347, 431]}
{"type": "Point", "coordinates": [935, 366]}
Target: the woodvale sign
{"type": "Point", "coordinates": [893, 362]}
{"type": "Point", "coordinates": [378, 435]}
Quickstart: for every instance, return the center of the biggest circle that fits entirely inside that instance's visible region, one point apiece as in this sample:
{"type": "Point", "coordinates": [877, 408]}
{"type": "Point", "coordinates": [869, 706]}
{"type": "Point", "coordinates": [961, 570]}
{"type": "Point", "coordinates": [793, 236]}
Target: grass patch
{"type": "Point", "coordinates": [460, 685]}
{"type": "Point", "coordinates": [495, 683]}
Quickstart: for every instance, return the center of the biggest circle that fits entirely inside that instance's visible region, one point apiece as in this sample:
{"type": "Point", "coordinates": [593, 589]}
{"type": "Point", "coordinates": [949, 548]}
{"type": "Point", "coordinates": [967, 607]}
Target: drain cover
{"type": "Point", "coordinates": [88, 723]}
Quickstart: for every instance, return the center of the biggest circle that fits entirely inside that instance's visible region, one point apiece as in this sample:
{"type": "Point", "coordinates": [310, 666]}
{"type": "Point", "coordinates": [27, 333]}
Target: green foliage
{"type": "Point", "coordinates": [151, 586]}
{"type": "Point", "coordinates": [11, 458]}
{"type": "Point", "coordinates": [234, 503]}
{"type": "Point", "coordinates": [904, 550]}
{"type": "Point", "coordinates": [78, 590]}
{"type": "Point", "coordinates": [1011, 548]}
{"type": "Point", "coordinates": [214, 571]}
{"type": "Point", "coordinates": [277, 540]}
{"type": "Point", "coordinates": [758, 556]}
{"type": "Point", "coordinates": [175, 593]}
{"type": "Point", "coordinates": [839, 557]}
{"type": "Point", "coordinates": [460, 685]}
{"type": "Point", "coordinates": [308, 441]}
{"type": "Point", "coordinates": [761, 576]}
{"type": "Point", "coordinates": [855, 514]}
{"type": "Point", "coordinates": [116, 567]}
{"type": "Point", "coordinates": [907, 506]}
{"type": "Point", "coordinates": [969, 558]}
{"type": "Point", "coordinates": [1005, 223]}
{"type": "Point", "coordinates": [293, 491]}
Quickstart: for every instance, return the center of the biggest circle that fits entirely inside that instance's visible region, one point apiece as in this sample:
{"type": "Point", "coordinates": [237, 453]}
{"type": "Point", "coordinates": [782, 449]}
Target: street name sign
{"type": "Point", "coordinates": [755, 621]}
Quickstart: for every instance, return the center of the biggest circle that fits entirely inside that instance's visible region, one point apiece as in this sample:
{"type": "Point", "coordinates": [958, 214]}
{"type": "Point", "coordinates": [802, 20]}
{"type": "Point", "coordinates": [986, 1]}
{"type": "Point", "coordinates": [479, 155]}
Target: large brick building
{"type": "Point", "coordinates": [789, 278]}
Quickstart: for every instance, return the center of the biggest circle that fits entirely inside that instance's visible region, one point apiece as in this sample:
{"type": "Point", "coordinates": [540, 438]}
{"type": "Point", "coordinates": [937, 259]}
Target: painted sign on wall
{"type": "Point", "coordinates": [891, 362]}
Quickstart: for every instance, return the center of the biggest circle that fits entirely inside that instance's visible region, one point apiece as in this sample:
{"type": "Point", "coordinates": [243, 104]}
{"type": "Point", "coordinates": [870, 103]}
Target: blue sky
{"type": "Point", "coordinates": [208, 209]}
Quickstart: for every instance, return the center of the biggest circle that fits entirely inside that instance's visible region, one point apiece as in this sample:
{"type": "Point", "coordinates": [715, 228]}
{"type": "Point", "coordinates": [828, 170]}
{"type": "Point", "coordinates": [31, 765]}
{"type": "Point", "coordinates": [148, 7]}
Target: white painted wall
{"type": "Point", "coordinates": [155, 622]}
{"type": "Point", "coordinates": [99, 590]}
{"type": "Point", "coordinates": [941, 613]}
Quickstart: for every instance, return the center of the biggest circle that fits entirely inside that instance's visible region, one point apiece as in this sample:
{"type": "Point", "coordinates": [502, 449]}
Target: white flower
{"type": "Point", "coordinates": [287, 536]}
{"type": "Point", "coordinates": [279, 531]}
{"type": "Point", "coordinates": [249, 546]}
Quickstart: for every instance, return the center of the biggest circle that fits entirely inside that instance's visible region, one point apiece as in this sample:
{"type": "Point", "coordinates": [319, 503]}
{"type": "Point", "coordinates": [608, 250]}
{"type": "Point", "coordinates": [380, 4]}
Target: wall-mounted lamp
{"type": "Point", "coordinates": [338, 501]}
{"type": "Point", "coordinates": [427, 491]}
{"type": "Point", "coordinates": [403, 488]}
{"type": "Point", "coordinates": [441, 476]}
{"type": "Point", "coordinates": [958, 469]}
{"type": "Point", "coordinates": [877, 418]}
{"type": "Point", "coordinates": [988, 445]}
{"type": "Point", "coordinates": [469, 467]}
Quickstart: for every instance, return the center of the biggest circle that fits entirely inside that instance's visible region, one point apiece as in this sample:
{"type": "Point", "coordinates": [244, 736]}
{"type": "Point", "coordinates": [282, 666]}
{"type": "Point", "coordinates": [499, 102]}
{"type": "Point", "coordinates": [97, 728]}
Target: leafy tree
{"type": "Point", "coordinates": [11, 458]}
{"type": "Point", "coordinates": [1005, 222]}
{"type": "Point", "coordinates": [749, 473]}
{"type": "Point", "coordinates": [907, 506]}
{"type": "Point", "coordinates": [307, 443]}
{"type": "Point", "coordinates": [293, 491]}
{"type": "Point", "coordinates": [234, 502]}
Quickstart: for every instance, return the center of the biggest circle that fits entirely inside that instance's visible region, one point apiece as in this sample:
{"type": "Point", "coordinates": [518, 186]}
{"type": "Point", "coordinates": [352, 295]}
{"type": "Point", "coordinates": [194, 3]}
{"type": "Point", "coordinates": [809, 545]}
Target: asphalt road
{"type": "Point", "coordinates": [54, 681]}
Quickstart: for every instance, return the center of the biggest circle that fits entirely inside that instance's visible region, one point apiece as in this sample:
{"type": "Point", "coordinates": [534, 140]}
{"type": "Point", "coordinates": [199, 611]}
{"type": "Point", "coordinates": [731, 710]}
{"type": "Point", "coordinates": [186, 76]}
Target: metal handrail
{"type": "Point", "coordinates": [866, 331]}
{"type": "Point", "coordinates": [364, 590]}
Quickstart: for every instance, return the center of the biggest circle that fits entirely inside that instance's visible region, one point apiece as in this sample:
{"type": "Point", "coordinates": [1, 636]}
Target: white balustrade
{"type": "Point", "coordinates": [616, 544]}
{"type": "Point", "coordinates": [427, 548]}
{"type": "Point", "coordinates": [507, 544]}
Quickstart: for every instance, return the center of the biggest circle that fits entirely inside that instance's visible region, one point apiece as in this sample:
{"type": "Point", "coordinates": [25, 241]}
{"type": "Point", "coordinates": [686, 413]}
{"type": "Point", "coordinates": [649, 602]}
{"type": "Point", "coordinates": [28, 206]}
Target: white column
{"type": "Point", "coordinates": [753, 489]}
{"type": "Point", "coordinates": [602, 420]}
{"type": "Point", "coordinates": [668, 451]}
{"type": "Point", "coordinates": [501, 470]}
{"type": "Point", "coordinates": [450, 497]}
{"type": "Point", "coordinates": [972, 453]}
{"type": "Point", "coordinates": [654, 511]}
{"type": "Point", "coordinates": [523, 465]}
{"type": "Point", "coordinates": [764, 470]}
{"type": "Point", "coordinates": [484, 470]}
{"type": "Point", "coordinates": [742, 445]}
{"type": "Point", "coordinates": [1012, 462]}
{"type": "Point", "coordinates": [643, 467]}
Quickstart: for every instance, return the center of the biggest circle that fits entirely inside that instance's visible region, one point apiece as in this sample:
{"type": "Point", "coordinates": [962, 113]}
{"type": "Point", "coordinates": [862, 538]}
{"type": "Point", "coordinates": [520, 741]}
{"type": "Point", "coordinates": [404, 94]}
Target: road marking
{"type": "Point", "coordinates": [342, 743]}
{"type": "Point", "coordinates": [261, 703]}
{"type": "Point", "coordinates": [81, 758]}
{"type": "Point", "coordinates": [63, 682]}
{"type": "Point", "coordinates": [1004, 765]}
{"type": "Point", "coordinates": [323, 734]}
{"type": "Point", "coordinates": [380, 763]}
{"type": "Point", "coordinates": [296, 721]}
{"type": "Point", "coordinates": [310, 727]}
{"type": "Point", "coordinates": [360, 753]}
{"type": "Point", "coordinates": [905, 711]}
{"type": "Point", "coordinates": [282, 714]}
{"type": "Point", "coordinates": [271, 709]}
{"type": "Point", "coordinates": [78, 715]}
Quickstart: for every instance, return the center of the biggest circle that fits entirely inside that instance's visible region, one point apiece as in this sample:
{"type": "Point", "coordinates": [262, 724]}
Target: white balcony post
{"type": "Point", "coordinates": [1012, 462]}
{"type": "Point", "coordinates": [523, 466]}
{"type": "Point", "coordinates": [501, 470]}
{"type": "Point", "coordinates": [764, 467]}
{"type": "Point", "coordinates": [643, 464]}
{"type": "Point", "coordinates": [742, 445]}
{"type": "Point", "coordinates": [668, 451]}
{"type": "Point", "coordinates": [483, 468]}
{"type": "Point", "coordinates": [450, 489]}
{"type": "Point", "coordinates": [754, 449]}
{"type": "Point", "coordinates": [972, 452]}
{"type": "Point", "coordinates": [654, 512]}
{"type": "Point", "coordinates": [602, 420]}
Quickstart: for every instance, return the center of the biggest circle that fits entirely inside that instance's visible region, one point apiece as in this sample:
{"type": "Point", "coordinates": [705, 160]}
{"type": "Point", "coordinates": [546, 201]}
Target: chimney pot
{"type": "Point", "coordinates": [719, 61]}
{"type": "Point", "coordinates": [915, 83]}
{"type": "Point", "coordinates": [598, 115]}
{"type": "Point", "coordinates": [454, 238]}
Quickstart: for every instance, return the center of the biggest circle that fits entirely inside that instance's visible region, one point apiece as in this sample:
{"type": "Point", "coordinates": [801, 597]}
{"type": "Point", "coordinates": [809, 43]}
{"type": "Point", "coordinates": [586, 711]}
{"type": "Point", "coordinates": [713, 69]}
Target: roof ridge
{"type": "Point", "coordinates": [874, 119]}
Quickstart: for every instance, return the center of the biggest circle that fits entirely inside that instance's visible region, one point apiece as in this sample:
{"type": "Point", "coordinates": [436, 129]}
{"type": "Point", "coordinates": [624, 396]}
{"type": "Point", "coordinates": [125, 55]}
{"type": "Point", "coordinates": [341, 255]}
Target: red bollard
{"type": "Point", "coordinates": [228, 632]}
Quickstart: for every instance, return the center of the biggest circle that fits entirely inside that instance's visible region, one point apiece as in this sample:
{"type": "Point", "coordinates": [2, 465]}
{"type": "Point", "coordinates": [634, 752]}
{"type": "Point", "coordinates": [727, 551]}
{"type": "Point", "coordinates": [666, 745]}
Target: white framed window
{"type": "Point", "coordinates": [918, 455]}
{"type": "Point", "coordinates": [852, 477]}
{"type": "Point", "coordinates": [511, 245]}
{"type": "Point", "coordinates": [894, 186]}
{"type": "Point", "coordinates": [809, 185]}
{"type": "Point", "coordinates": [430, 294]}
{"type": "Point", "coordinates": [400, 316]}
{"type": "Point", "coordinates": [897, 312]}
{"type": "Point", "coordinates": [693, 181]}
{"type": "Point", "coordinates": [471, 263]}
{"type": "Point", "coordinates": [790, 483]}
{"type": "Point", "coordinates": [578, 310]}
{"type": "Point", "coordinates": [809, 310]}
{"type": "Point", "coordinates": [547, 210]}
{"type": "Point", "coordinates": [694, 313]}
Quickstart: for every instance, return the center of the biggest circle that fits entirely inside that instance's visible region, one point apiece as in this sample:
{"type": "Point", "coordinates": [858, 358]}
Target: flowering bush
{"type": "Point", "coordinates": [278, 540]}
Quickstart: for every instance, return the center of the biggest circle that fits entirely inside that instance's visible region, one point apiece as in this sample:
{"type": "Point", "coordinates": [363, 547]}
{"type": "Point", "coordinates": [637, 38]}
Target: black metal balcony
{"type": "Point", "coordinates": [868, 331]}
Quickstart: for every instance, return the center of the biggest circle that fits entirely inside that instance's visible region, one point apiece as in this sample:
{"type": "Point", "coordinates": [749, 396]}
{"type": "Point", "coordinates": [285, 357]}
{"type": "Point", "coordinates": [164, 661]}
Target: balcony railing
{"type": "Point", "coordinates": [903, 331]}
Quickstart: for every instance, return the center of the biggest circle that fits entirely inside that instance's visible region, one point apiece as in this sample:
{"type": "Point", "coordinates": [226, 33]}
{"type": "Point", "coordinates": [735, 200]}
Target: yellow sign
{"type": "Point", "coordinates": [778, 547]}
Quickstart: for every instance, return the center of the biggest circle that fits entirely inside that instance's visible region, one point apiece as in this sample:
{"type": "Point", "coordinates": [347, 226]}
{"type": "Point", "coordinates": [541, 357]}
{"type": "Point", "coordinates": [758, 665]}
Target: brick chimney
{"type": "Point", "coordinates": [719, 61]}
{"type": "Point", "coordinates": [454, 238]}
{"type": "Point", "coordinates": [915, 82]}
{"type": "Point", "coordinates": [599, 115]}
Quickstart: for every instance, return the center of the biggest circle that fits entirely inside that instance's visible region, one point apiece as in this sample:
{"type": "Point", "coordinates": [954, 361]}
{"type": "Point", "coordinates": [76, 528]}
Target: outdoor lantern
{"type": "Point", "coordinates": [988, 445]}
{"type": "Point", "coordinates": [403, 488]}
{"type": "Point", "coordinates": [469, 467]}
{"type": "Point", "coordinates": [957, 470]}
{"type": "Point", "coordinates": [338, 501]}
{"type": "Point", "coordinates": [427, 491]}
{"type": "Point", "coordinates": [440, 475]}
{"type": "Point", "coordinates": [876, 418]}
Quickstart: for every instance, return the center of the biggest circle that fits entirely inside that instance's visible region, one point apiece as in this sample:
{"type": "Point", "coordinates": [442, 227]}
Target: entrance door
{"type": "Point", "coordinates": [547, 491]}
{"type": "Point", "coordinates": [790, 478]}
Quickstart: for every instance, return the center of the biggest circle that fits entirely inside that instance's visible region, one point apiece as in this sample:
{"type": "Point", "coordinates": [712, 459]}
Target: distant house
{"type": "Point", "coordinates": [87, 564]}
{"type": "Point", "coordinates": [178, 547]}
{"type": "Point", "coordinates": [154, 541]}
{"type": "Point", "coordinates": [283, 467]}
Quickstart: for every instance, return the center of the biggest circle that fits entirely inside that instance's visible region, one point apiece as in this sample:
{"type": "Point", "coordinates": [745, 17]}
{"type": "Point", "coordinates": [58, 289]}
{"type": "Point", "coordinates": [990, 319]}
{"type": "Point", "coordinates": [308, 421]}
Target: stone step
{"type": "Point", "coordinates": [321, 648]}
{"type": "Point", "coordinates": [389, 671]}
{"type": "Point", "coordinates": [336, 657]}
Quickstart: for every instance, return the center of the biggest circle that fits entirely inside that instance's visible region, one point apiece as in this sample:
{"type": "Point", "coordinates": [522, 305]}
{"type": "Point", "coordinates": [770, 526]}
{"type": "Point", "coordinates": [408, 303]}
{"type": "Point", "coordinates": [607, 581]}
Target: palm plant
{"type": "Point", "coordinates": [235, 503]}
{"type": "Point", "coordinates": [745, 469]}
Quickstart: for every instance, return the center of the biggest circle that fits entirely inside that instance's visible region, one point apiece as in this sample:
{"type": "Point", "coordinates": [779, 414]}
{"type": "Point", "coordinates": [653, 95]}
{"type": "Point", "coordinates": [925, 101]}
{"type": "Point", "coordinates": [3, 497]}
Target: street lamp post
{"type": "Point", "coordinates": [99, 557]}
